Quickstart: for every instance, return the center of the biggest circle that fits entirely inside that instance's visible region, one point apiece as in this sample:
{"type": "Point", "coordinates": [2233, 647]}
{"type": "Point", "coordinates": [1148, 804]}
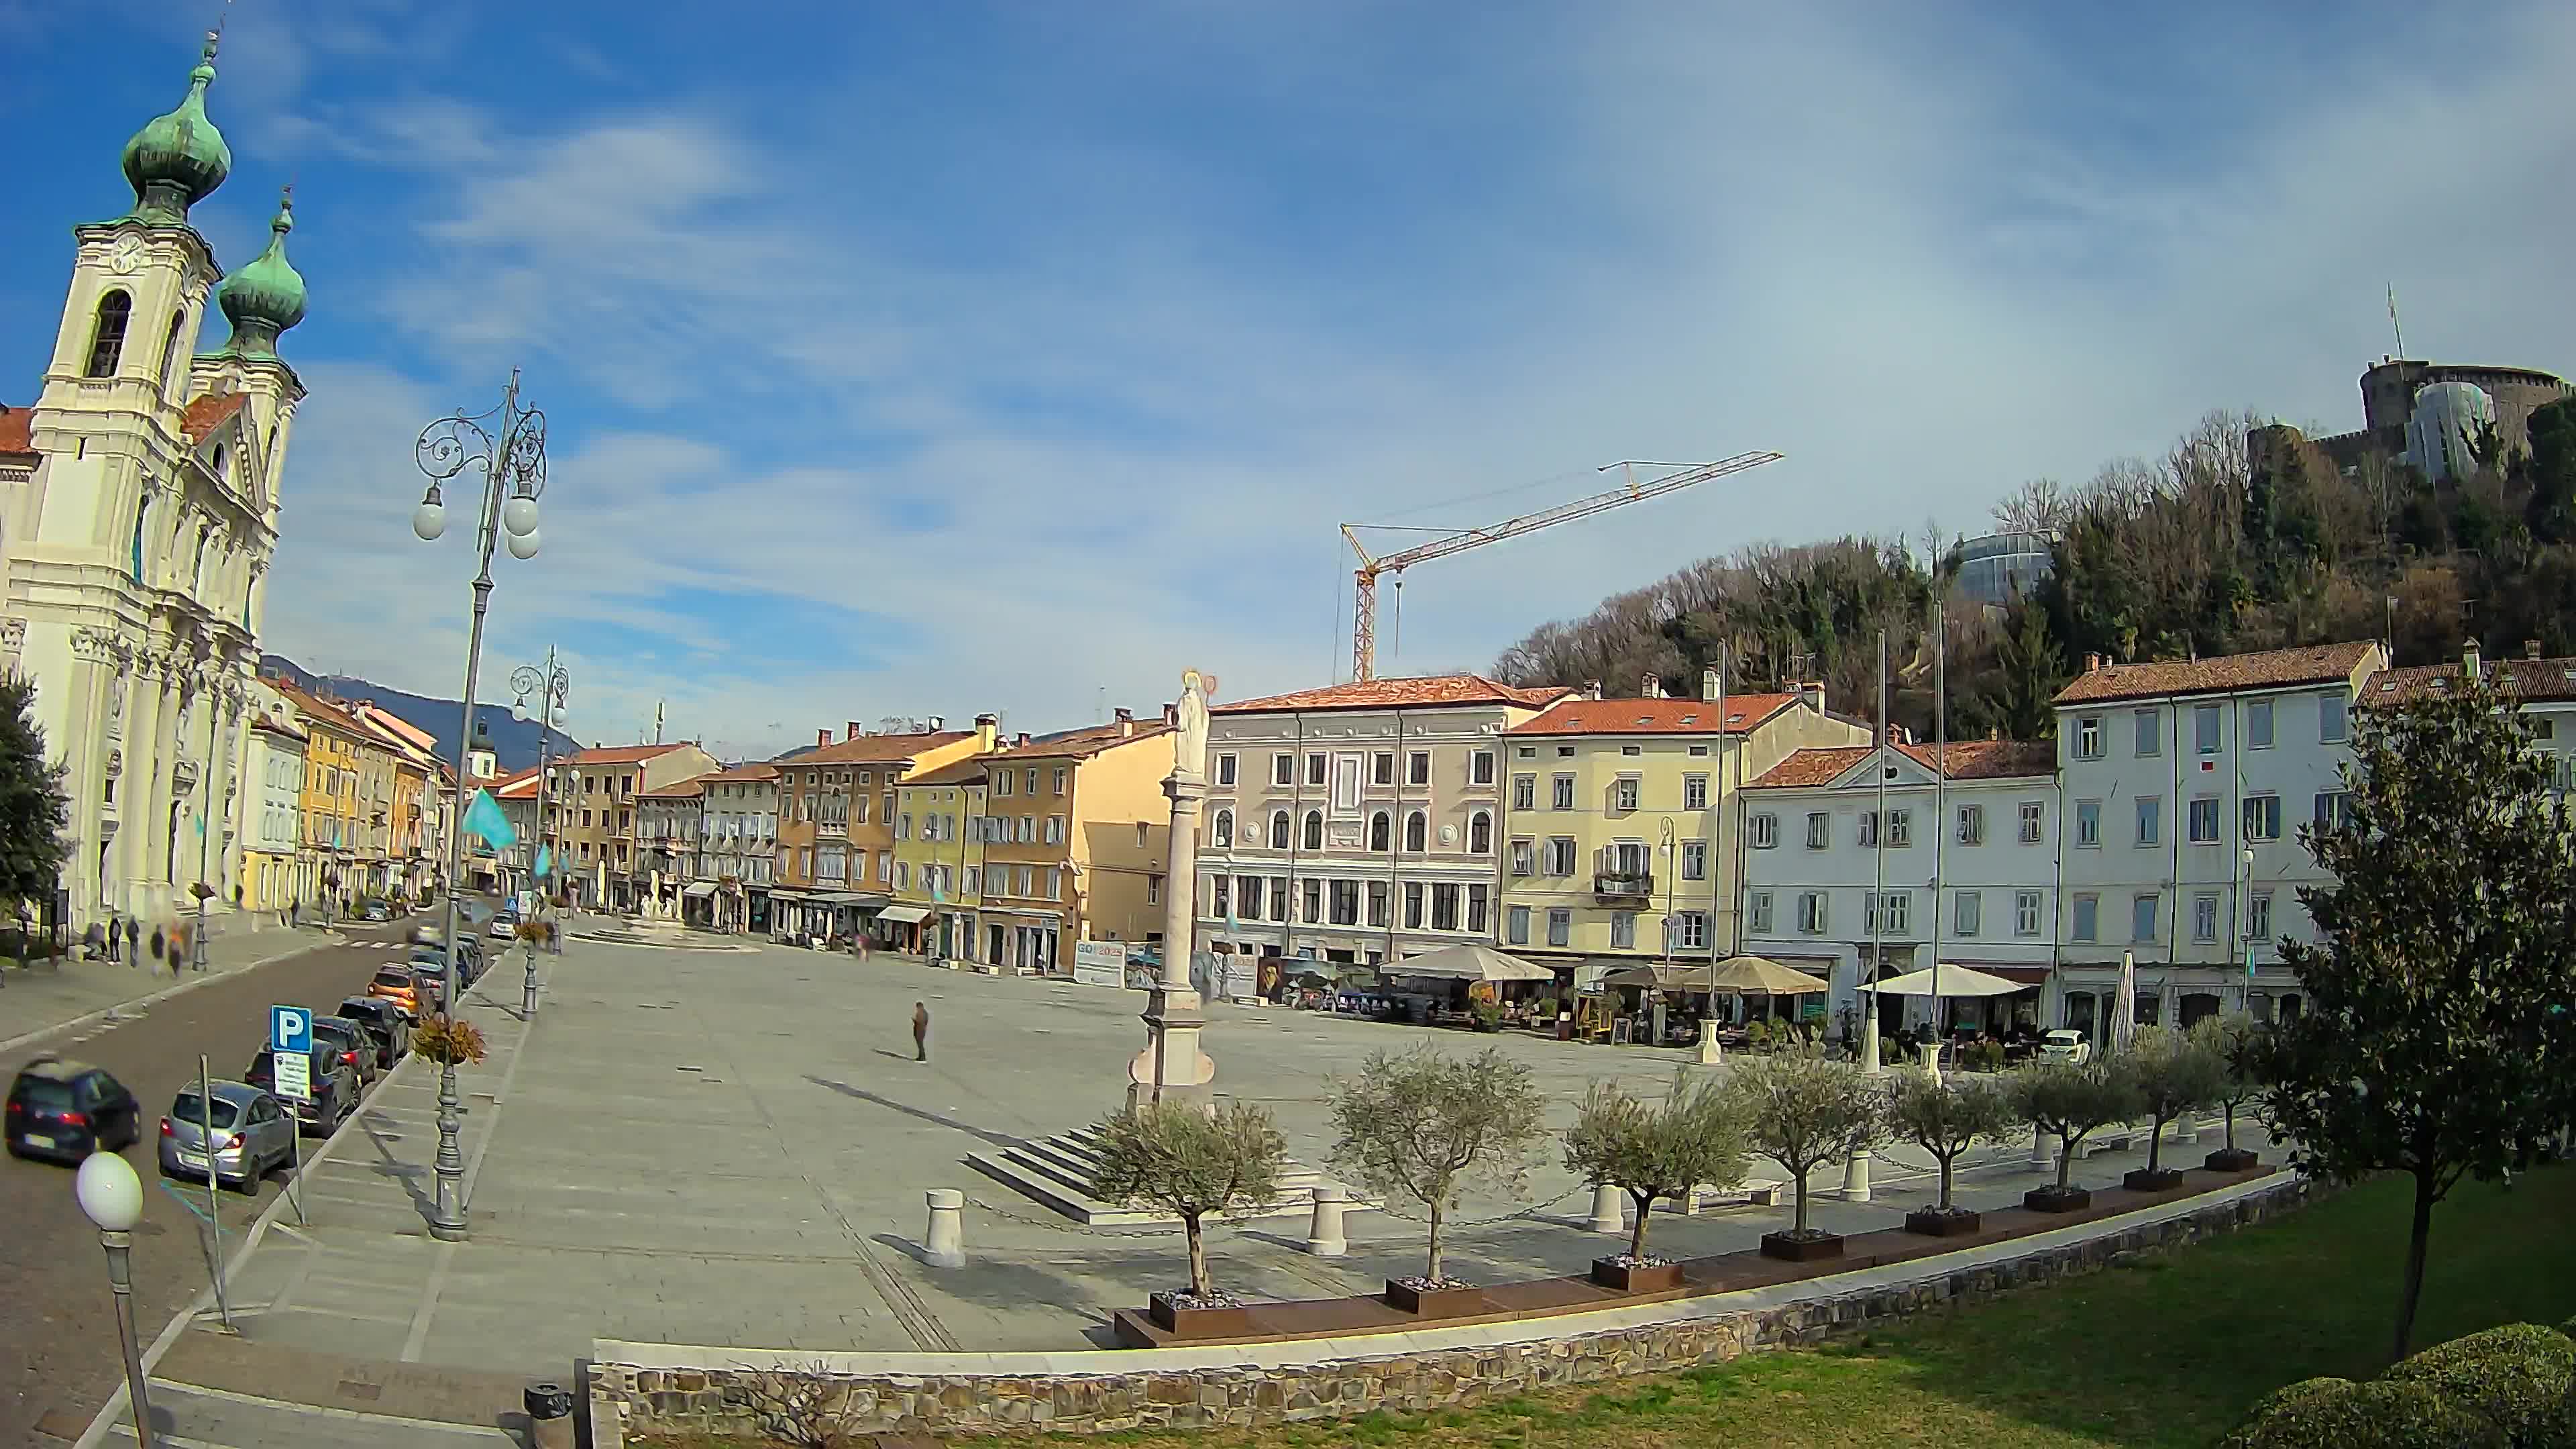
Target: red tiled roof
{"type": "Point", "coordinates": [1080, 744]}
{"type": "Point", "coordinates": [16, 430]}
{"type": "Point", "coordinates": [876, 749]}
{"type": "Point", "coordinates": [2524, 678]}
{"type": "Point", "coordinates": [1968, 759]}
{"type": "Point", "coordinates": [321, 709]}
{"type": "Point", "coordinates": [1654, 716]}
{"type": "Point", "coordinates": [205, 414]}
{"type": "Point", "coordinates": [968, 771]}
{"type": "Point", "coordinates": [623, 754]}
{"type": "Point", "coordinates": [2273, 668]}
{"type": "Point", "coordinates": [688, 789]}
{"type": "Point", "coordinates": [277, 727]}
{"type": "Point", "coordinates": [518, 785]}
{"type": "Point", "coordinates": [1433, 689]}
{"type": "Point", "coordinates": [753, 773]}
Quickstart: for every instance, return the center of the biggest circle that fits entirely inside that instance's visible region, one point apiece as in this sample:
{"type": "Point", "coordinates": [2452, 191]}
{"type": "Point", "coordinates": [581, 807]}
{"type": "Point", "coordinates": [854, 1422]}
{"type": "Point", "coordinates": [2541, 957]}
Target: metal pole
{"type": "Point", "coordinates": [1940, 809]}
{"type": "Point", "coordinates": [120, 1278]}
{"type": "Point", "coordinates": [1869, 978]}
{"type": "Point", "coordinates": [214, 1204]}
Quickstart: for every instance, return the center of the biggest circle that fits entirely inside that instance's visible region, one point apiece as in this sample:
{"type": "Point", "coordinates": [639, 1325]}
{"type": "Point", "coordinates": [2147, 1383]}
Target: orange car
{"type": "Point", "coordinates": [395, 984]}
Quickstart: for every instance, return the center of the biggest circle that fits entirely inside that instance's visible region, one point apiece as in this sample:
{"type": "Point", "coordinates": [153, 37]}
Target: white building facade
{"type": "Point", "coordinates": [2185, 785]}
{"type": "Point", "coordinates": [137, 545]}
{"type": "Point", "coordinates": [270, 834]}
{"type": "Point", "coordinates": [739, 849]}
{"type": "Point", "coordinates": [1963, 869]}
{"type": "Point", "coordinates": [1305, 848]}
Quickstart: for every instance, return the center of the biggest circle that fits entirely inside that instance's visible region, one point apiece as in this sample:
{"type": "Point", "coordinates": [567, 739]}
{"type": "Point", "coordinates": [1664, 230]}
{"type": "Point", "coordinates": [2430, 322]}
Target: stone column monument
{"type": "Point", "coordinates": [1172, 1067]}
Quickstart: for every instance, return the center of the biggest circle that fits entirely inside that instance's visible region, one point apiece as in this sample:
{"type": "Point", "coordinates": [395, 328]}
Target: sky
{"type": "Point", "coordinates": [908, 359]}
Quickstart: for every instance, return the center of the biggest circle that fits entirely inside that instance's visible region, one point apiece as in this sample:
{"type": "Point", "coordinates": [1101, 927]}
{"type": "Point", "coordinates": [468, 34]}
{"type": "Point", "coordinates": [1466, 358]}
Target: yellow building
{"type": "Point", "coordinates": [1614, 821]}
{"type": "Point", "coordinates": [1076, 839]}
{"type": "Point", "coordinates": [334, 834]}
{"type": "Point", "coordinates": [939, 863]}
{"type": "Point", "coordinates": [837, 819]}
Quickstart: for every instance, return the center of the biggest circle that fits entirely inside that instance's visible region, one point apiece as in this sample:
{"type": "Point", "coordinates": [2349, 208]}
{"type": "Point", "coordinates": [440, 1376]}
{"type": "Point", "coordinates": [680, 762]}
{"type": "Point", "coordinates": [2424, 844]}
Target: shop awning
{"type": "Point", "coordinates": [904, 915]}
{"type": "Point", "coordinates": [1955, 981]}
{"type": "Point", "coordinates": [782, 893]}
{"type": "Point", "coordinates": [1469, 963]}
{"type": "Point", "coordinates": [698, 888]}
{"type": "Point", "coordinates": [849, 898]}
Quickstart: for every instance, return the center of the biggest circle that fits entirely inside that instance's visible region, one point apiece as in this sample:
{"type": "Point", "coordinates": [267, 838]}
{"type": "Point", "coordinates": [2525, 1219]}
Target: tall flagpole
{"type": "Point", "coordinates": [1940, 809]}
{"type": "Point", "coordinates": [1878, 836]}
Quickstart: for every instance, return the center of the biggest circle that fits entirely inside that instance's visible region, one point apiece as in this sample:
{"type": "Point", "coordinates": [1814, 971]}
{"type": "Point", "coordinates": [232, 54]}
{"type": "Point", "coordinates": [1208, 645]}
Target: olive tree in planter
{"type": "Point", "coordinates": [1425, 1125]}
{"type": "Point", "coordinates": [1945, 1119]}
{"type": "Point", "coordinates": [2236, 1042]}
{"type": "Point", "coordinates": [2073, 1100]}
{"type": "Point", "coordinates": [1695, 1136]}
{"type": "Point", "coordinates": [2173, 1074]}
{"type": "Point", "coordinates": [1802, 1109]}
{"type": "Point", "coordinates": [1192, 1162]}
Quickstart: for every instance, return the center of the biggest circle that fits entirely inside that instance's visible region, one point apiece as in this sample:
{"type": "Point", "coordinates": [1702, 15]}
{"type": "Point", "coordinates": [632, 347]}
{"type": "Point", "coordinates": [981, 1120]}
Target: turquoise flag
{"type": "Point", "coordinates": [545, 862]}
{"type": "Point", "coordinates": [485, 822]}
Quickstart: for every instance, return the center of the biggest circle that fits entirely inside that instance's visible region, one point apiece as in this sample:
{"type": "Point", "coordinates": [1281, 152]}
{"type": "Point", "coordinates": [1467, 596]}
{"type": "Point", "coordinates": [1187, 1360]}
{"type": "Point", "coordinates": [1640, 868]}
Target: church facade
{"type": "Point", "coordinates": [138, 530]}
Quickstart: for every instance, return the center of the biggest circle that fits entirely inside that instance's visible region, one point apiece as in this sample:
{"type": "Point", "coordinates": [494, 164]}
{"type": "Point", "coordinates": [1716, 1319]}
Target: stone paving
{"type": "Point", "coordinates": [729, 1147]}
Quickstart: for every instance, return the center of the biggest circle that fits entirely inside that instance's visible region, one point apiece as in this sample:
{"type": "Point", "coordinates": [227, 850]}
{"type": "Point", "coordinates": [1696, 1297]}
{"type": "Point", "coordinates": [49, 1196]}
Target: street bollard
{"type": "Point", "coordinates": [945, 1244]}
{"type": "Point", "coordinates": [2042, 1156]}
{"type": "Point", "coordinates": [1324, 1236]}
{"type": "Point", "coordinates": [1710, 1053]}
{"type": "Point", "coordinates": [549, 1407]}
{"type": "Point", "coordinates": [1856, 1177]}
{"type": "Point", "coordinates": [2186, 1128]}
{"type": "Point", "coordinates": [1609, 1210]}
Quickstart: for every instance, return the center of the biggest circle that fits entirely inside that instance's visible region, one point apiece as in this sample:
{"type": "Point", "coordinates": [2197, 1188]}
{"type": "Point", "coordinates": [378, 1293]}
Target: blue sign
{"type": "Point", "coordinates": [290, 1029]}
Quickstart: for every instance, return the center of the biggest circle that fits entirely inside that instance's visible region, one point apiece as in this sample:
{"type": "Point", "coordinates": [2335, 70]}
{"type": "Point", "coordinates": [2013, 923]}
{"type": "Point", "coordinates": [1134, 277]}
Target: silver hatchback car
{"type": "Point", "coordinates": [252, 1135]}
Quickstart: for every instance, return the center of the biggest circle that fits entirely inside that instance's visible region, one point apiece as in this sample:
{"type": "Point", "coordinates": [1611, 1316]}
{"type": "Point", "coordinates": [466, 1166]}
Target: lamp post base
{"type": "Point", "coordinates": [1171, 1068]}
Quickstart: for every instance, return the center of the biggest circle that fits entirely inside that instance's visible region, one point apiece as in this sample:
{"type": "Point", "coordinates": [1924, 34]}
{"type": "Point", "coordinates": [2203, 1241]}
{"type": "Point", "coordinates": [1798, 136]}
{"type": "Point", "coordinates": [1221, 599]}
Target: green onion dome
{"type": "Point", "coordinates": [178, 160]}
{"type": "Point", "coordinates": [265, 297]}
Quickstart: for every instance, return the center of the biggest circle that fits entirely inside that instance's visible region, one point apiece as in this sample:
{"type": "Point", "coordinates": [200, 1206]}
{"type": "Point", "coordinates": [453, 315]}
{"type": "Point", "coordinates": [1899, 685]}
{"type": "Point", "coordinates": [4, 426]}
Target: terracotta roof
{"type": "Point", "coordinates": [745, 774]}
{"type": "Point", "coordinates": [16, 429]}
{"type": "Point", "coordinates": [518, 785]}
{"type": "Point", "coordinates": [968, 771]}
{"type": "Point", "coordinates": [1081, 744]}
{"type": "Point", "coordinates": [205, 414]}
{"type": "Point", "coordinates": [2526, 678]}
{"type": "Point", "coordinates": [1434, 689]}
{"type": "Point", "coordinates": [877, 749]}
{"type": "Point", "coordinates": [1968, 759]}
{"type": "Point", "coordinates": [320, 709]}
{"type": "Point", "coordinates": [277, 727]}
{"type": "Point", "coordinates": [2273, 668]}
{"type": "Point", "coordinates": [689, 789]}
{"type": "Point", "coordinates": [623, 754]}
{"type": "Point", "coordinates": [375, 713]}
{"type": "Point", "coordinates": [1653, 716]}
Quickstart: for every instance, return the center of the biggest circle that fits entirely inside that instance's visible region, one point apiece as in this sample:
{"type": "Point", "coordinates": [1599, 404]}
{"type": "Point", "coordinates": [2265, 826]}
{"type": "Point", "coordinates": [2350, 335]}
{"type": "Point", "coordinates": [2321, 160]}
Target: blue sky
{"type": "Point", "coordinates": [937, 358]}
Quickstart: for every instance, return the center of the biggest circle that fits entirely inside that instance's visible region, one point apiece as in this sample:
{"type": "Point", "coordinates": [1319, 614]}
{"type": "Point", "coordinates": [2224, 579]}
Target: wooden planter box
{"type": "Point", "coordinates": [1933, 1223]}
{"type": "Point", "coordinates": [2231, 1159]}
{"type": "Point", "coordinates": [1434, 1302]}
{"type": "Point", "coordinates": [1801, 1250]}
{"type": "Point", "coordinates": [1196, 1322]}
{"type": "Point", "coordinates": [2056, 1200]}
{"type": "Point", "coordinates": [2163, 1179]}
{"type": "Point", "coordinates": [1621, 1278]}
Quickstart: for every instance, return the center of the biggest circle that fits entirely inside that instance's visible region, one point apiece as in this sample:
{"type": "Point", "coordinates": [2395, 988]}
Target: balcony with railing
{"type": "Point", "coordinates": [1622, 873]}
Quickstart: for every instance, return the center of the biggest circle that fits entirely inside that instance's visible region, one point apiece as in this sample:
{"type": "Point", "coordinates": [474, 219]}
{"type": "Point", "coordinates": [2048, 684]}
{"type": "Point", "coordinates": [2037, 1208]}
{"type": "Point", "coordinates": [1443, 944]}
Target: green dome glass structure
{"type": "Point", "coordinates": [177, 160]}
{"type": "Point", "coordinates": [265, 297]}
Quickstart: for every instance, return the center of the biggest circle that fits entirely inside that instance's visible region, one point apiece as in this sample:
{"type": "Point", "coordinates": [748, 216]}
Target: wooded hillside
{"type": "Point", "coordinates": [2214, 548]}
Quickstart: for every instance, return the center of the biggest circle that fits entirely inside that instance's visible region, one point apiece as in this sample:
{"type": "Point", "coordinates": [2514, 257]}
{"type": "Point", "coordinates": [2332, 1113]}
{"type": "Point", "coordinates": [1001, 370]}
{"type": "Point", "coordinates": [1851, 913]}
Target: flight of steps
{"type": "Point", "coordinates": [1057, 1171]}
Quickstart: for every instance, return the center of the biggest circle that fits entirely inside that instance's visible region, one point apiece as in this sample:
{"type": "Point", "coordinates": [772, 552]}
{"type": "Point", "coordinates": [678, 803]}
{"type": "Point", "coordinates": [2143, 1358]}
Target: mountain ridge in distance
{"type": "Point", "coordinates": [514, 741]}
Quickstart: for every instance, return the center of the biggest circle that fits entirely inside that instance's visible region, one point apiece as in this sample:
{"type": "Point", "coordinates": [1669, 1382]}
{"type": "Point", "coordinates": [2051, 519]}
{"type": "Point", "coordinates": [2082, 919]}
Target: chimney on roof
{"type": "Point", "coordinates": [822, 737]}
{"type": "Point", "coordinates": [2469, 670]}
{"type": "Point", "coordinates": [988, 729]}
{"type": "Point", "coordinates": [1171, 716]}
{"type": "Point", "coordinates": [2092, 663]}
{"type": "Point", "coordinates": [1708, 685]}
{"type": "Point", "coordinates": [1023, 740]}
{"type": "Point", "coordinates": [1127, 719]}
{"type": "Point", "coordinates": [938, 722]}
{"type": "Point", "coordinates": [1654, 688]}
{"type": "Point", "coordinates": [1813, 692]}
{"type": "Point", "coordinates": [2530, 648]}
{"type": "Point", "coordinates": [1592, 689]}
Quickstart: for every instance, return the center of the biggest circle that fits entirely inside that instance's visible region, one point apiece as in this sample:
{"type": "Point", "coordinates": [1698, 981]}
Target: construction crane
{"type": "Point", "coordinates": [1364, 610]}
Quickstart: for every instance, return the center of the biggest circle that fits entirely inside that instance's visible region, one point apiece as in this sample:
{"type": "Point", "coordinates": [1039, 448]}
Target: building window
{"type": "Point", "coordinates": [2262, 817]}
{"type": "Point", "coordinates": [1560, 926]}
{"type": "Point", "coordinates": [1346, 903]}
{"type": "Point", "coordinates": [1967, 913]}
{"type": "Point", "coordinates": [1972, 825]}
{"type": "Point", "coordinates": [107, 333]}
{"type": "Point", "coordinates": [1381, 832]}
{"type": "Point", "coordinates": [1002, 782]}
{"type": "Point", "coordinates": [1890, 914]}
{"type": "Point", "coordinates": [1346, 784]}
{"type": "Point", "coordinates": [2204, 820]}
{"type": "Point", "coordinates": [1278, 830]}
{"type": "Point", "coordinates": [1417, 768]}
{"type": "Point", "coordinates": [1444, 906]}
{"type": "Point", "coordinates": [1314, 830]}
{"type": "Point", "coordinates": [1762, 830]}
{"type": "Point", "coordinates": [1480, 833]}
{"type": "Point", "coordinates": [1694, 792]}
{"type": "Point", "coordinates": [1632, 751]}
{"type": "Point", "coordinates": [1283, 771]}
{"type": "Point", "coordinates": [1223, 831]}
{"type": "Point", "coordinates": [1868, 836]}
{"type": "Point", "coordinates": [1900, 827]}
{"type": "Point", "coordinates": [1623, 931]}
{"type": "Point", "coordinates": [2142, 918]}
{"type": "Point", "coordinates": [2088, 822]}
{"type": "Point", "coordinates": [1560, 855]}
{"type": "Point", "coordinates": [2204, 918]}
{"type": "Point", "coordinates": [2258, 725]}
{"type": "Point", "coordinates": [1279, 898]}
{"type": "Point", "coordinates": [2258, 916]}
{"type": "Point", "coordinates": [1247, 897]}
{"type": "Point", "coordinates": [2334, 807]}
{"type": "Point", "coordinates": [1063, 777]}
{"type": "Point", "coordinates": [1377, 903]}
{"type": "Point", "coordinates": [2088, 737]}
{"type": "Point", "coordinates": [1220, 893]}
{"type": "Point", "coordinates": [1820, 830]}
{"type": "Point", "coordinates": [1524, 857]}
{"type": "Point", "coordinates": [1413, 905]}
{"type": "Point", "coordinates": [1757, 912]}
{"type": "Point", "coordinates": [1624, 794]}
{"type": "Point", "coordinates": [2204, 729]}
{"type": "Point", "coordinates": [1516, 926]}
{"type": "Point", "coordinates": [2151, 819]}
{"type": "Point", "coordinates": [1814, 917]}
{"type": "Point", "coordinates": [1563, 798]}
{"type": "Point", "coordinates": [1480, 768]}
{"type": "Point", "coordinates": [1694, 860]}
{"type": "Point", "coordinates": [1691, 931]}
{"type": "Point", "coordinates": [1417, 832]}
{"type": "Point", "coordinates": [1524, 792]}
{"type": "Point", "coordinates": [1225, 769]}
{"type": "Point", "coordinates": [1313, 891]}
{"type": "Point", "coordinates": [2330, 719]}
{"type": "Point", "coordinates": [2087, 923]}
{"type": "Point", "coordinates": [2150, 734]}
{"type": "Point", "coordinates": [2025, 913]}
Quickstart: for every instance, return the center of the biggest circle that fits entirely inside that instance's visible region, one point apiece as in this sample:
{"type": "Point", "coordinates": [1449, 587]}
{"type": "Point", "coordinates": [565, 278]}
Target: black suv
{"type": "Point", "coordinates": [67, 1110]}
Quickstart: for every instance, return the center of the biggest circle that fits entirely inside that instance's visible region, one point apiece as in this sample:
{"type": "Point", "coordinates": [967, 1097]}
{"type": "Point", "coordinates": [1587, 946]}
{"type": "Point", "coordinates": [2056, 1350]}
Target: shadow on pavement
{"type": "Point", "coordinates": [936, 1118]}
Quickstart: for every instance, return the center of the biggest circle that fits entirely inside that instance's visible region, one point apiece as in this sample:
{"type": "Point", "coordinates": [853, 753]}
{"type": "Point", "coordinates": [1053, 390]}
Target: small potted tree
{"type": "Point", "coordinates": [1192, 1162]}
{"type": "Point", "coordinates": [1945, 1119]}
{"type": "Point", "coordinates": [1695, 1136]}
{"type": "Point", "coordinates": [2073, 1100]}
{"type": "Point", "coordinates": [1803, 1110]}
{"type": "Point", "coordinates": [2173, 1074]}
{"type": "Point", "coordinates": [2236, 1042]}
{"type": "Point", "coordinates": [1426, 1125]}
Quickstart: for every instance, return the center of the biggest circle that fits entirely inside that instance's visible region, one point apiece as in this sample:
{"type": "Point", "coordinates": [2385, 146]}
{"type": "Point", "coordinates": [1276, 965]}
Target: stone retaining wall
{"type": "Point", "coordinates": [628, 1400]}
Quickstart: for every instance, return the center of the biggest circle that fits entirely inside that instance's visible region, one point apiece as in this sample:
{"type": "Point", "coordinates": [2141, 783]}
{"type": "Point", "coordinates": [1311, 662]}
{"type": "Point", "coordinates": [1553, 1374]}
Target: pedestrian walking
{"type": "Point", "coordinates": [159, 945]}
{"type": "Point", "coordinates": [920, 1031]}
{"type": "Point", "coordinates": [295, 912]}
{"type": "Point", "coordinates": [133, 940]}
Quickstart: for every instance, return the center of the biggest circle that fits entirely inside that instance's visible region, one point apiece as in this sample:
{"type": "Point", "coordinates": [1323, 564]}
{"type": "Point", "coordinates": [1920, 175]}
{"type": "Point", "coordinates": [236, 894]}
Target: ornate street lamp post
{"type": "Point", "coordinates": [514, 474]}
{"type": "Point", "coordinates": [552, 687]}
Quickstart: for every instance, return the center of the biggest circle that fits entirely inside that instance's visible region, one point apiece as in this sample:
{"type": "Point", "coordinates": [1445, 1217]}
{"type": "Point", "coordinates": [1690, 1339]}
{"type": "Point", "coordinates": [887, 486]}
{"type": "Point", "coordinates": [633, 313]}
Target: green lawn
{"type": "Point", "coordinates": [2165, 1353]}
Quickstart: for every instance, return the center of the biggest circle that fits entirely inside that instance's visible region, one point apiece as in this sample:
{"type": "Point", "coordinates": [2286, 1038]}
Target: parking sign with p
{"type": "Point", "coordinates": [290, 1029]}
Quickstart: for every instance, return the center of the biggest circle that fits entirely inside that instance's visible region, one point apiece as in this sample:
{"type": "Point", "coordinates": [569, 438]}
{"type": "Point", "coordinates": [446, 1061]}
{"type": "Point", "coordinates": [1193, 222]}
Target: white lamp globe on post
{"type": "Point", "coordinates": [111, 1196]}
{"type": "Point", "coordinates": [523, 545]}
{"type": "Point", "coordinates": [429, 520]}
{"type": "Point", "coordinates": [519, 515]}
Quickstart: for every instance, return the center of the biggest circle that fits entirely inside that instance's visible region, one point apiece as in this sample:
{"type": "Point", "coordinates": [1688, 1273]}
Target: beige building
{"type": "Point", "coordinates": [597, 815]}
{"type": "Point", "coordinates": [1074, 843]}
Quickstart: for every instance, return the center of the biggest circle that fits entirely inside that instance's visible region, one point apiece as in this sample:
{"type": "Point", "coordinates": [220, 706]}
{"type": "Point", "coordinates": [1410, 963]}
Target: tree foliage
{"type": "Point", "coordinates": [2174, 1072]}
{"type": "Point", "coordinates": [1694, 1137]}
{"type": "Point", "coordinates": [33, 812]}
{"type": "Point", "coordinates": [2073, 1100]}
{"type": "Point", "coordinates": [2236, 1043]}
{"type": "Point", "coordinates": [1947, 1117]}
{"type": "Point", "coordinates": [1192, 1162]}
{"type": "Point", "coordinates": [1425, 1125]}
{"type": "Point", "coordinates": [1803, 1109]}
{"type": "Point", "coordinates": [2440, 1029]}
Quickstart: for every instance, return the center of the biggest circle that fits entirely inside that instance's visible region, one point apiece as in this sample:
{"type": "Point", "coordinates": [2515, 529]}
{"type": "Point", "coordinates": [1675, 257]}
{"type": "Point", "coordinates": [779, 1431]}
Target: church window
{"type": "Point", "coordinates": [107, 340]}
{"type": "Point", "coordinates": [138, 542]}
{"type": "Point", "coordinates": [170, 355]}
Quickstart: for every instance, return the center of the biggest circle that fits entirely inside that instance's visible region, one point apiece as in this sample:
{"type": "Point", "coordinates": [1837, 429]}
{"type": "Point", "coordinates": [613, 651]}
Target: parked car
{"type": "Point", "coordinates": [64, 1111]}
{"type": "Point", "coordinates": [395, 984]}
{"type": "Point", "coordinates": [429, 988]}
{"type": "Point", "coordinates": [339, 1036]}
{"type": "Point", "coordinates": [377, 911]}
{"type": "Point", "coordinates": [387, 1022]}
{"type": "Point", "coordinates": [505, 927]}
{"type": "Point", "coordinates": [335, 1093]}
{"type": "Point", "coordinates": [2065, 1045]}
{"type": "Point", "coordinates": [252, 1134]}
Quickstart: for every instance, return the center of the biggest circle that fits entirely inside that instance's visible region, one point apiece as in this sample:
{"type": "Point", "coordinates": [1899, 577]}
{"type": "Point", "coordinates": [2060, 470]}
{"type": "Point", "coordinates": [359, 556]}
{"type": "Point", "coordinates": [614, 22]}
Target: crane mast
{"type": "Point", "coordinates": [1371, 567]}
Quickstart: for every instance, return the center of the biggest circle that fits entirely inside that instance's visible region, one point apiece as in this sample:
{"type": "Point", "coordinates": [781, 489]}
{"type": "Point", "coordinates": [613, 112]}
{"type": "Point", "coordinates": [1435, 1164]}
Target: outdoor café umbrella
{"type": "Point", "coordinates": [2124, 1008]}
{"type": "Point", "coordinates": [1955, 981]}
{"type": "Point", "coordinates": [1756, 976]}
{"type": "Point", "coordinates": [1468, 962]}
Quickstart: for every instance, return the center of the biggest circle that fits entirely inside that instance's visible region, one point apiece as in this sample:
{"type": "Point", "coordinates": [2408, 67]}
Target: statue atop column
{"type": "Point", "coordinates": [1172, 1067]}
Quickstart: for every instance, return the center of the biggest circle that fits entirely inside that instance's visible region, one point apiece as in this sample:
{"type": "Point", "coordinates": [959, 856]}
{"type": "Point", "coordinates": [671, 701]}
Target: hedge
{"type": "Point", "coordinates": [2516, 1377]}
{"type": "Point", "coordinates": [2512, 1387]}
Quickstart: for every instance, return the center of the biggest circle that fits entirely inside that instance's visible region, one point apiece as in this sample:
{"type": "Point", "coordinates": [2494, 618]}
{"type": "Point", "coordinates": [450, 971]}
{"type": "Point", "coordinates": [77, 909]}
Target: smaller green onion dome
{"type": "Point", "coordinates": [178, 160]}
{"type": "Point", "coordinates": [266, 297]}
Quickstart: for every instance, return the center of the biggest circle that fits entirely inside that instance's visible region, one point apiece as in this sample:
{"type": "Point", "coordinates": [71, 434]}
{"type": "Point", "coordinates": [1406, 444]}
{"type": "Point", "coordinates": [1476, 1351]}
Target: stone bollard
{"type": "Point", "coordinates": [2043, 1157]}
{"type": "Point", "coordinates": [1856, 1177]}
{"type": "Point", "coordinates": [1710, 1053]}
{"type": "Point", "coordinates": [2186, 1128]}
{"type": "Point", "coordinates": [1324, 1235]}
{"type": "Point", "coordinates": [1609, 1209]}
{"type": "Point", "coordinates": [945, 1245]}
{"type": "Point", "coordinates": [549, 1407]}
